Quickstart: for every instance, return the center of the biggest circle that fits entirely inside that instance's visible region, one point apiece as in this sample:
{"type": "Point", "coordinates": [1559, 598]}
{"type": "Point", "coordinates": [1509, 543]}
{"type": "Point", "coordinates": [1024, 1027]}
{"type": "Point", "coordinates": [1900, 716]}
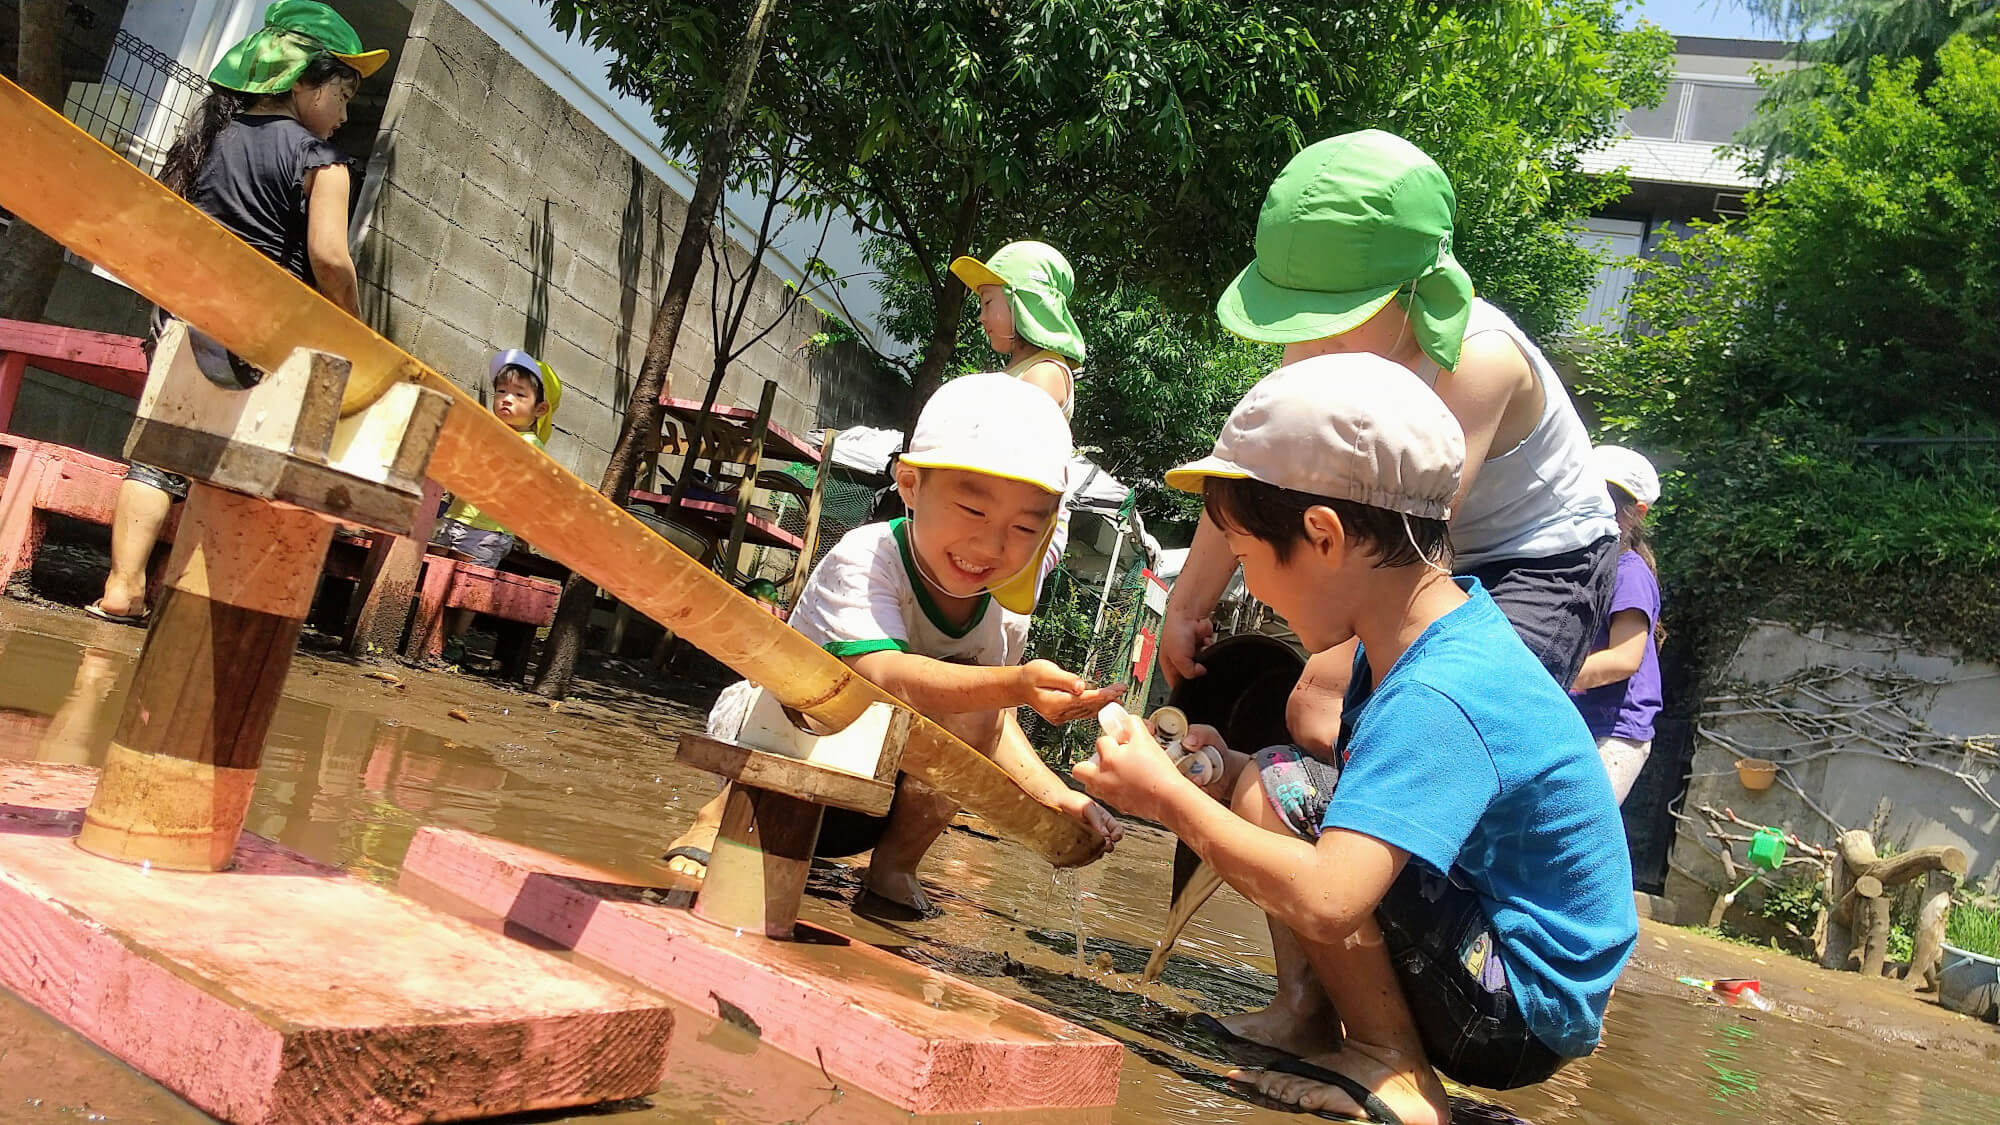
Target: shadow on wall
{"type": "Point", "coordinates": [632, 259]}
{"type": "Point", "coordinates": [541, 264]}
{"type": "Point", "coordinates": [373, 264]}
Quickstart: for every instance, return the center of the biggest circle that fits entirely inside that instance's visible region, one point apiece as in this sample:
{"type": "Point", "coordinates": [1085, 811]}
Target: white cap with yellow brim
{"type": "Point", "coordinates": [997, 426]}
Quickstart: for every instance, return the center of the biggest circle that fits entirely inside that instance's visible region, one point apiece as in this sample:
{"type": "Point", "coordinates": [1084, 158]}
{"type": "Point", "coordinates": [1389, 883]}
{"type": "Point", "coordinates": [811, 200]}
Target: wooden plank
{"type": "Point", "coordinates": [287, 992]}
{"type": "Point", "coordinates": [809, 543]}
{"type": "Point", "coordinates": [788, 446]}
{"type": "Point", "coordinates": [799, 778]}
{"type": "Point", "coordinates": [497, 593]}
{"type": "Point", "coordinates": [13, 368]}
{"type": "Point", "coordinates": [915, 1037]}
{"type": "Point", "coordinates": [746, 489]}
{"type": "Point", "coordinates": [55, 342]}
{"type": "Point", "coordinates": [179, 258]}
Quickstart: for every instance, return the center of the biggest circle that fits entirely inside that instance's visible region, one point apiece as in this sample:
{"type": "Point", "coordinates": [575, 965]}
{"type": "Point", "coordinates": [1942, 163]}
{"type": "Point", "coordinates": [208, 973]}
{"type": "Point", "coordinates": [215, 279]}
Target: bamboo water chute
{"type": "Point", "coordinates": [85, 196]}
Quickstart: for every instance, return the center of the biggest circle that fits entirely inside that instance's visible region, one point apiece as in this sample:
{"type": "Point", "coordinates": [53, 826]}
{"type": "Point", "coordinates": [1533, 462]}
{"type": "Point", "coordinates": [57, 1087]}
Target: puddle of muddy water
{"type": "Point", "coordinates": [355, 766]}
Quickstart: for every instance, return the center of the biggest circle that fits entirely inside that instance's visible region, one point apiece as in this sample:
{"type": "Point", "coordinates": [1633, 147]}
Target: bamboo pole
{"type": "Point", "coordinates": [179, 258]}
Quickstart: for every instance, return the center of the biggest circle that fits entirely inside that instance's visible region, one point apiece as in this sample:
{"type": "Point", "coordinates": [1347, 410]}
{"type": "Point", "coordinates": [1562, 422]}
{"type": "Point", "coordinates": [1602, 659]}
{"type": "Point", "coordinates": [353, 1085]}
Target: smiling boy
{"type": "Point", "coordinates": [934, 608]}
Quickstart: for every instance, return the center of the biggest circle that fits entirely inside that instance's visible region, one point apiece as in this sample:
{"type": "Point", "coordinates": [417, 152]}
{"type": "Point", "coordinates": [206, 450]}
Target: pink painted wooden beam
{"type": "Point", "coordinates": [284, 991]}
{"type": "Point", "coordinates": [915, 1037]}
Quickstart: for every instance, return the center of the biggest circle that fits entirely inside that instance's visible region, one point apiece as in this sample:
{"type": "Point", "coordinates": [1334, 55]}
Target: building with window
{"type": "Point", "coordinates": [1676, 161]}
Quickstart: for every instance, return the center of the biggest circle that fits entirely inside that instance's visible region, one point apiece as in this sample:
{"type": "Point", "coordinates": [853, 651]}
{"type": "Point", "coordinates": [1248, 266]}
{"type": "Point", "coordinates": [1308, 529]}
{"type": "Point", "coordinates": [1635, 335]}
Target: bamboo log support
{"type": "Point", "coordinates": [181, 259]}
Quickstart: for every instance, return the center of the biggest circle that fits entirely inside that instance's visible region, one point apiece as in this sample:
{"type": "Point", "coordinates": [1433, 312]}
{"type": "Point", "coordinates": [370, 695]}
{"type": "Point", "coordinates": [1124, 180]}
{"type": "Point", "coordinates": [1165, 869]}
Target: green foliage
{"type": "Point", "coordinates": [1796, 902]}
{"type": "Point", "coordinates": [1141, 134]}
{"type": "Point", "coordinates": [1860, 298]}
{"type": "Point", "coordinates": [1973, 928]}
{"type": "Point", "coordinates": [1849, 37]}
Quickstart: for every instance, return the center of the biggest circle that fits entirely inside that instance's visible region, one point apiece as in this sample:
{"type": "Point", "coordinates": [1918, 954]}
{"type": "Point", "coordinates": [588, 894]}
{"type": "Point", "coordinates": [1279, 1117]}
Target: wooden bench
{"type": "Point", "coordinates": [45, 479]}
{"type": "Point", "coordinates": [101, 359]}
{"type": "Point", "coordinates": [522, 602]}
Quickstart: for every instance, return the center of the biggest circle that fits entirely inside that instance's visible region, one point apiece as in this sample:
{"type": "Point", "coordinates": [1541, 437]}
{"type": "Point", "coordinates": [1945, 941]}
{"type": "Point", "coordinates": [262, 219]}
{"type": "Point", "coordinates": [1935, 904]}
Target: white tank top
{"type": "Point", "coordinates": [1541, 497]}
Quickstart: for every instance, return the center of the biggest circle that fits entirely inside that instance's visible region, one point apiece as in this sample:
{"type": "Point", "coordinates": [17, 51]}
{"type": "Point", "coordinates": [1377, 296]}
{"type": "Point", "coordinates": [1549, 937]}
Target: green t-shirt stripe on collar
{"type": "Point", "coordinates": [900, 528]}
{"type": "Point", "coordinates": [861, 648]}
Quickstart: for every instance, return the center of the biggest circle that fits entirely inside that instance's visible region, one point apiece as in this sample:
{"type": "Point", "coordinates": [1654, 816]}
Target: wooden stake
{"type": "Point", "coordinates": [757, 869]}
{"type": "Point", "coordinates": [746, 489]}
{"type": "Point", "coordinates": [184, 757]}
{"type": "Point", "coordinates": [809, 542]}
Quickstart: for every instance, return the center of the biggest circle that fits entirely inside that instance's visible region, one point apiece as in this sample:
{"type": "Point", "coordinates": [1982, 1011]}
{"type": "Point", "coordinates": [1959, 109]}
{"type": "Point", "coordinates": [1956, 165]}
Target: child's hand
{"type": "Point", "coordinates": [1130, 771]}
{"type": "Point", "coordinates": [1201, 736]}
{"type": "Point", "coordinates": [1060, 696]}
{"type": "Point", "coordinates": [1093, 816]}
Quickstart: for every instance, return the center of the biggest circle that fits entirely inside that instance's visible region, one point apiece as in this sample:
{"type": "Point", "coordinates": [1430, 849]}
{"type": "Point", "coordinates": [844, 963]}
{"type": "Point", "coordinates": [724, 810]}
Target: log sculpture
{"type": "Point", "coordinates": [1859, 893]}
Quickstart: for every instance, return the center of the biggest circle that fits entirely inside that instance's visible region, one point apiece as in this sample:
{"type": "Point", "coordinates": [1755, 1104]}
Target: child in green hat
{"type": "Point", "coordinates": [1354, 256]}
{"type": "Point", "coordinates": [1024, 290]}
{"type": "Point", "coordinates": [258, 159]}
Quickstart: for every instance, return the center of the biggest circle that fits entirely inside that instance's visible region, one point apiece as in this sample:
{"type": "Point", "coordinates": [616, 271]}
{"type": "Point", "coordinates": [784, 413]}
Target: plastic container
{"type": "Point", "coordinates": [1969, 982]}
{"type": "Point", "coordinates": [1756, 774]}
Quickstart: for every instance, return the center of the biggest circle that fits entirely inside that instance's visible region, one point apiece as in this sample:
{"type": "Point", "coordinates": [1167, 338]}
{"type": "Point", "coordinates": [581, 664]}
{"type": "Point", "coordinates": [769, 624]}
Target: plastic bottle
{"type": "Point", "coordinates": [1201, 766]}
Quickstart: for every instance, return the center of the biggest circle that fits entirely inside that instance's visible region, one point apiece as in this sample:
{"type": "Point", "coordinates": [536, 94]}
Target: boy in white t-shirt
{"type": "Point", "coordinates": [934, 608]}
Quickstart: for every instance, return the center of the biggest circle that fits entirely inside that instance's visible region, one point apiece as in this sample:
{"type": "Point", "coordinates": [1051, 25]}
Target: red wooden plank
{"type": "Point", "coordinates": [73, 345]}
{"type": "Point", "coordinates": [496, 593]}
{"type": "Point", "coordinates": [13, 368]}
{"type": "Point", "coordinates": [712, 517]}
{"type": "Point", "coordinates": [285, 991]}
{"type": "Point", "coordinates": [788, 445]}
{"type": "Point", "coordinates": [924, 1041]}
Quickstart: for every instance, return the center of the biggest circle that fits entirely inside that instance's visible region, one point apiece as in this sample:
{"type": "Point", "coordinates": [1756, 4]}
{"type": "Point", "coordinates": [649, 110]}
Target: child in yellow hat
{"type": "Point", "coordinates": [934, 608]}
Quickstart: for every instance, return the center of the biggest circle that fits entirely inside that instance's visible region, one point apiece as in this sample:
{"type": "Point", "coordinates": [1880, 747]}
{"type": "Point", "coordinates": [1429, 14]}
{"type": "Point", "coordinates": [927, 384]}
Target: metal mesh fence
{"type": "Point", "coordinates": [143, 103]}
{"type": "Point", "coordinates": [846, 504]}
{"type": "Point", "coordinates": [1080, 627]}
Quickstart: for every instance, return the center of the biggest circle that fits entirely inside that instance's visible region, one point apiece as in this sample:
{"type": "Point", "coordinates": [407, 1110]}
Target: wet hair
{"type": "Point", "coordinates": [184, 161]}
{"type": "Point", "coordinates": [516, 371]}
{"type": "Point", "coordinates": [1278, 516]}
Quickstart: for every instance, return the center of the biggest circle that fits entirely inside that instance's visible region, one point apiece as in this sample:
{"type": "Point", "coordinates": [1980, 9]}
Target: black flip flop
{"type": "Point", "coordinates": [102, 614]}
{"type": "Point", "coordinates": [1233, 1047]}
{"type": "Point", "coordinates": [699, 855]}
{"type": "Point", "coordinates": [1378, 1113]}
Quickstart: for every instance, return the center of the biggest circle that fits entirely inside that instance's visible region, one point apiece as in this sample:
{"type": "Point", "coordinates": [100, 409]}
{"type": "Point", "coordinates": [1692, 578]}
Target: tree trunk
{"type": "Point", "coordinates": [1932, 915]}
{"type": "Point", "coordinates": [29, 259]}
{"type": "Point", "coordinates": [643, 411]}
{"type": "Point", "coordinates": [947, 309]}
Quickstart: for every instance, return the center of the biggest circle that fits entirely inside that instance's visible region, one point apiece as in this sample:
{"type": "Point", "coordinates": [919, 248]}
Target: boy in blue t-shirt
{"type": "Point", "coordinates": [1458, 882]}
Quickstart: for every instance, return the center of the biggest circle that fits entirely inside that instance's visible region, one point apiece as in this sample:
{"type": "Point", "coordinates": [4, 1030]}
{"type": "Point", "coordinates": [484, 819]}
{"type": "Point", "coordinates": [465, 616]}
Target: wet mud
{"type": "Point", "coordinates": [357, 763]}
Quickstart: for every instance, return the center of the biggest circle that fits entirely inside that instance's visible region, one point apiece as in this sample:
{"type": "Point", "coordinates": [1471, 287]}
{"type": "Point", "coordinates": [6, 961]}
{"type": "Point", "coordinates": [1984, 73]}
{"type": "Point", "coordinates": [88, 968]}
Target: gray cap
{"type": "Point", "coordinates": [1348, 426]}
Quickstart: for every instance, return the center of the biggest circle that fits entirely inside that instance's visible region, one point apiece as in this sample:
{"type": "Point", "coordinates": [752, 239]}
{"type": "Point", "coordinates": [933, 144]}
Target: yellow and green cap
{"type": "Point", "coordinates": [271, 59]}
{"type": "Point", "coordinates": [1354, 222]}
{"type": "Point", "coordinates": [1038, 282]}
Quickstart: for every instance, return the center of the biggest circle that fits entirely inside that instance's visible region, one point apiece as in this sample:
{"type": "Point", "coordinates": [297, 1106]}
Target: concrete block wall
{"type": "Point", "coordinates": [1831, 707]}
{"type": "Point", "coordinates": [504, 218]}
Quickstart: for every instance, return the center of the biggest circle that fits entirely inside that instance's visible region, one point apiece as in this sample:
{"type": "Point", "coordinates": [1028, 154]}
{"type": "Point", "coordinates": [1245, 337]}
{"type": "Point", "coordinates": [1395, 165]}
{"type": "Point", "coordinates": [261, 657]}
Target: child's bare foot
{"type": "Point", "coordinates": [1411, 1092]}
{"type": "Point", "coordinates": [1285, 1030]}
{"type": "Point", "coordinates": [897, 886]}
